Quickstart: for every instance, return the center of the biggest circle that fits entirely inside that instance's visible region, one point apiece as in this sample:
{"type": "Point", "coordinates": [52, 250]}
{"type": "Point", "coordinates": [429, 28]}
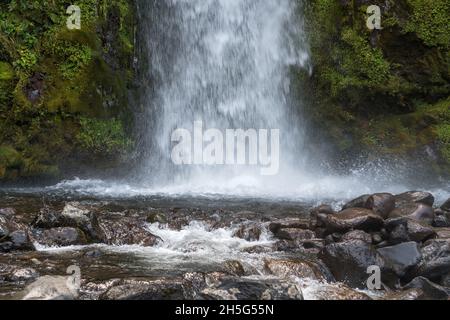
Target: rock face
{"type": "Point", "coordinates": [353, 219]}
{"type": "Point", "coordinates": [349, 261]}
{"type": "Point", "coordinates": [401, 258]}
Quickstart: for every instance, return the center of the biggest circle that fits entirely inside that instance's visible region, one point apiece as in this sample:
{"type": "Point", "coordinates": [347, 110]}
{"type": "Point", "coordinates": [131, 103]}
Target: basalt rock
{"type": "Point", "coordinates": [405, 229]}
{"type": "Point", "coordinates": [121, 230]}
{"type": "Point", "coordinates": [435, 263]}
{"type": "Point", "coordinates": [359, 202]}
{"type": "Point", "coordinates": [59, 237]}
{"type": "Point", "coordinates": [349, 261]}
{"type": "Point", "coordinates": [416, 211]}
{"type": "Point", "coordinates": [401, 258]}
{"type": "Point", "coordinates": [415, 197]}
{"type": "Point", "coordinates": [357, 235]}
{"type": "Point", "coordinates": [297, 268]}
{"type": "Point", "coordinates": [160, 289]}
{"type": "Point", "coordinates": [431, 291]}
{"type": "Point", "coordinates": [381, 203]}
{"type": "Point", "coordinates": [353, 219]}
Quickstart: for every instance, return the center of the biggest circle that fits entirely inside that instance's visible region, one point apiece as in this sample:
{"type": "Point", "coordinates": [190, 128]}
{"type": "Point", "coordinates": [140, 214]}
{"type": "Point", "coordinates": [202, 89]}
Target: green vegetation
{"type": "Point", "coordinates": [383, 92]}
{"type": "Point", "coordinates": [56, 83]}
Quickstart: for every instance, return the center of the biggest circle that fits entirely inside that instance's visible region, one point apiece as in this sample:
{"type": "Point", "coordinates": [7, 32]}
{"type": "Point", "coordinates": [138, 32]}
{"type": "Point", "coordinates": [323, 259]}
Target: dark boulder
{"type": "Point", "coordinates": [160, 289]}
{"type": "Point", "coordinates": [357, 235]}
{"type": "Point", "coordinates": [415, 197]}
{"type": "Point", "coordinates": [405, 229]}
{"type": "Point", "coordinates": [249, 232]}
{"type": "Point", "coordinates": [401, 258]}
{"type": "Point", "coordinates": [359, 202]}
{"type": "Point", "coordinates": [441, 222]}
{"type": "Point", "coordinates": [21, 241]}
{"type": "Point", "coordinates": [353, 219]}
{"type": "Point", "coordinates": [416, 211]}
{"type": "Point", "coordinates": [435, 263]}
{"type": "Point", "coordinates": [122, 230]}
{"type": "Point", "coordinates": [446, 205]}
{"type": "Point", "coordinates": [381, 203]}
{"type": "Point", "coordinates": [431, 291]}
{"type": "Point", "coordinates": [59, 237]}
{"type": "Point", "coordinates": [292, 234]}
{"type": "Point", "coordinates": [297, 268]}
{"type": "Point", "coordinates": [349, 261]}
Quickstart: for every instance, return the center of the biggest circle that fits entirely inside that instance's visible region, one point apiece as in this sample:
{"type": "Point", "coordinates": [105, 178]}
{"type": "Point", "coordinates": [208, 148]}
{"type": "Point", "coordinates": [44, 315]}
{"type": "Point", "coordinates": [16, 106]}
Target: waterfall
{"type": "Point", "coordinates": [225, 63]}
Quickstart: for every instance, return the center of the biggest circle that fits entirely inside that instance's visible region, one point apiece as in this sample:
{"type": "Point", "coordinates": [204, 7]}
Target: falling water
{"type": "Point", "coordinates": [226, 63]}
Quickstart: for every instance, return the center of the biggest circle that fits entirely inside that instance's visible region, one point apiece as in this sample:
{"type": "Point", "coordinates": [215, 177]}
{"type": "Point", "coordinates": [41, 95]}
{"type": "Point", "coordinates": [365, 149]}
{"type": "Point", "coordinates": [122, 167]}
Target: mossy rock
{"type": "Point", "coordinates": [10, 160]}
{"type": "Point", "coordinates": [6, 71]}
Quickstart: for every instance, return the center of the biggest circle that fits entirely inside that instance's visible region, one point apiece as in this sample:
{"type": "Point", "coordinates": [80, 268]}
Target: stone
{"type": "Point", "coordinates": [431, 291]}
{"type": "Point", "coordinates": [416, 211]}
{"type": "Point", "coordinates": [295, 268]}
{"type": "Point", "coordinates": [249, 232]}
{"type": "Point", "coordinates": [442, 233]}
{"type": "Point", "coordinates": [405, 295]}
{"type": "Point", "coordinates": [334, 292]}
{"type": "Point", "coordinates": [4, 230]}
{"type": "Point", "coordinates": [20, 240]}
{"type": "Point", "coordinates": [23, 275]}
{"type": "Point", "coordinates": [50, 288]}
{"type": "Point", "coordinates": [401, 258]}
{"type": "Point", "coordinates": [405, 229]}
{"type": "Point", "coordinates": [415, 197]}
{"type": "Point", "coordinates": [120, 230]}
{"type": "Point", "coordinates": [446, 205]}
{"type": "Point", "coordinates": [441, 222]}
{"type": "Point", "coordinates": [359, 202]}
{"type": "Point", "coordinates": [349, 261]}
{"type": "Point", "coordinates": [435, 263]}
{"type": "Point", "coordinates": [159, 289]}
{"type": "Point", "coordinates": [234, 268]}
{"type": "Point", "coordinates": [357, 235]}
{"type": "Point", "coordinates": [353, 219]}
{"type": "Point", "coordinates": [59, 237]}
{"type": "Point", "coordinates": [295, 234]}
{"type": "Point", "coordinates": [381, 203]}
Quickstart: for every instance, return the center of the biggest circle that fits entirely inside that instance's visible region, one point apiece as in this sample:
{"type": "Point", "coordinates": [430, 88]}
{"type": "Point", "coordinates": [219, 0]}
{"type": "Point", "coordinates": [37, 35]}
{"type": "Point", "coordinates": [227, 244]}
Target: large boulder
{"type": "Point", "coordinates": [431, 291]}
{"type": "Point", "coordinates": [357, 235]}
{"type": "Point", "coordinates": [416, 211]}
{"type": "Point", "coordinates": [435, 263]}
{"type": "Point", "coordinates": [122, 230]}
{"type": "Point", "coordinates": [381, 203]}
{"type": "Point", "coordinates": [349, 261]}
{"type": "Point", "coordinates": [415, 197]}
{"type": "Point", "coordinates": [59, 237]}
{"type": "Point", "coordinates": [249, 232]}
{"type": "Point", "coordinates": [297, 268]}
{"type": "Point", "coordinates": [359, 202]}
{"type": "Point", "coordinates": [405, 229]}
{"type": "Point", "coordinates": [353, 219]}
{"type": "Point", "coordinates": [401, 258]}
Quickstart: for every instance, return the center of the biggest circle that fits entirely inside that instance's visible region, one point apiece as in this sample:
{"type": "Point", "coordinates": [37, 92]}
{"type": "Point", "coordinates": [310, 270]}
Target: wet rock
{"type": "Point", "coordinates": [20, 240]}
{"type": "Point", "coordinates": [278, 225]}
{"type": "Point", "coordinates": [359, 202]}
{"type": "Point", "coordinates": [349, 261]}
{"type": "Point", "coordinates": [334, 292]}
{"type": "Point", "coordinates": [442, 233]}
{"type": "Point", "coordinates": [7, 213]}
{"type": "Point", "coordinates": [249, 232]}
{"type": "Point", "coordinates": [381, 203]}
{"type": "Point", "coordinates": [297, 268]}
{"type": "Point", "coordinates": [441, 222]}
{"type": "Point", "coordinates": [234, 268]}
{"type": "Point", "coordinates": [75, 215]}
{"type": "Point", "coordinates": [248, 289]}
{"type": "Point", "coordinates": [50, 288]}
{"type": "Point", "coordinates": [160, 289]}
{"type": "Point", "coordinates": [416, 211]}
{"type": "Point", "coordinates": [353, 219]}
{"type": "Point", "coordinates": [405, 295]}
{"type": "Point", "coordinates": [446, 205]}
{"type": "Point", "coordinates": [401, 258]}
{"type": "Point", "coordinates": [357, 235]}
{"type": "Point", "coordinates": [295, 234]}
{"type": "Point", "coordinates": [415, 197]}
{"type": "Point", "coordinates": [405, 229]}
{"type": "Point", "coordinates": [156, 217]}
{"type": "Point", "coordinates": [4, 230]}
{"type": "Point", "coordinates": [120, 230]}
{"type": "Point", "coordinates": [325, 209]}
{"type": "Point", "coordinates": [435, 263]}
{"type": "Point", "coordinates": [431, 291]}
{"type": "Point", "coordinates": [59, 237]}
{"type": "Point", "coordinates": [48, 219]}
{"type": "Point", "coordinates": [377, 238]}
{"type": "Point", "coordinates": [23, 275]}
{"type": "Point", "coordinates": [318, 214]}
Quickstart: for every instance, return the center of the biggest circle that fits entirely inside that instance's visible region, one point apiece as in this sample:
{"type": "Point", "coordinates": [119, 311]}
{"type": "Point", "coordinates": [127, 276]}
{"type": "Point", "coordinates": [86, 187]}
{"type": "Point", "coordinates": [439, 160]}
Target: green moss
{"type": "Point", "coordinates": [105, 137]}
{"type": "Point", "coordinates": [430, 20]}
{"type": "Point", "coordinates": [6, 71]}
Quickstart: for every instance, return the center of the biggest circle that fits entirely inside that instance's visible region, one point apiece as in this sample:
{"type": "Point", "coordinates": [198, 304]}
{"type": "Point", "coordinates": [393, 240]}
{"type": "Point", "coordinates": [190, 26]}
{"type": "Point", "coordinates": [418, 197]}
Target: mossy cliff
{"type": "Point", "coordinates": [382, 93]}
{"type": "Point", "coordinates": [63, 92]}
